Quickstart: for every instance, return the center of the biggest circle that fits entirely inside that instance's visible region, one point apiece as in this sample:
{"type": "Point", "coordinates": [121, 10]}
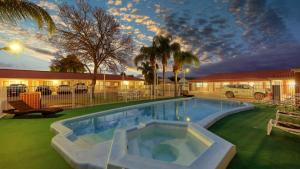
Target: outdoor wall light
{"type": "Point", "coordinates": [187, 70]}
{"type": "Point", "coordinates": [188, 119]}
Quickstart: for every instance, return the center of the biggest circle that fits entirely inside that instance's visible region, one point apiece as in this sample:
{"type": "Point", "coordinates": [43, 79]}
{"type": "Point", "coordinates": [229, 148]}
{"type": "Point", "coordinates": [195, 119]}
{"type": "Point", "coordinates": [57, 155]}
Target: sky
{"type": "Point", "coordinates": [227, 35]}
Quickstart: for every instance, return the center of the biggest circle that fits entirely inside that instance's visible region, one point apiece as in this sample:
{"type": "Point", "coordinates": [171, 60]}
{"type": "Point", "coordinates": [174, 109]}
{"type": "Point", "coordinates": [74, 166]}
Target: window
{"type": "Point", "coordinates": [47, 83]}
{"type": "Point", "coordinates": [201, 84]}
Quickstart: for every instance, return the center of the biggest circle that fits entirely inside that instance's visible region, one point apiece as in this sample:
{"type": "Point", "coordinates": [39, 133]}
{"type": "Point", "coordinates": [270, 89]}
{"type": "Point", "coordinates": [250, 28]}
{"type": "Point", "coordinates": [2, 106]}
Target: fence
{"type": "Point", "coordinates": [275, 94]}
{"type": "Point", "coordinates": [80, 95]}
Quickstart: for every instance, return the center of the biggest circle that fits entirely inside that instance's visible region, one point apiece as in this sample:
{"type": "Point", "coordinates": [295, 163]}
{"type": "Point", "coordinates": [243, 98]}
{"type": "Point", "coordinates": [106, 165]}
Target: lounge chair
{"type": "Point", "coordinates": [285, 126]}
{"type": "Point", "coordinates": [185, 93]}
{"type": "Point", "coordinates": [293, 115]}
{"type": "Point", "coordinates": [21, 108]}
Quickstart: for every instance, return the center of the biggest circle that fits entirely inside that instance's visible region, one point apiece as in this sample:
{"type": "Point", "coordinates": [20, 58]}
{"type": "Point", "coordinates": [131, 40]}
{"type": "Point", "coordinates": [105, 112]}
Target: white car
{"type": "Point", "coordinates": [81, 88]}
{"type": "Point", "coordinates": [64, 89]}
{"type": "Point", "coordinates": [244, 90]}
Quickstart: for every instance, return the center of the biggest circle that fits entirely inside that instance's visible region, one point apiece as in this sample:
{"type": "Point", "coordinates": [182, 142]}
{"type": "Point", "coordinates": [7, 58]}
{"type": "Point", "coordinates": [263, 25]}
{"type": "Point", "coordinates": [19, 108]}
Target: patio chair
{"type": "Point", "coordinates": [285, 126]}
{"type": "Point", "coordinates": [293, 115]}
{"type": "Point", "coordinates": [21, 108]}
{"type": "Point", "coordinates": [185, 93]}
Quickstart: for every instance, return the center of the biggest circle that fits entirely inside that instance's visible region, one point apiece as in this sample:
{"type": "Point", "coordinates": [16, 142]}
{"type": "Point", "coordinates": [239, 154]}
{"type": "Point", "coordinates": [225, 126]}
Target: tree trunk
{"type": "Point", "coordinates": [164, 72]}
{"type": "Point", "coordinates": [154, 80]}
{"type": "Point", "coordinates": [94, 80]}
{"type": "Point", "coordinates": [176, 91]}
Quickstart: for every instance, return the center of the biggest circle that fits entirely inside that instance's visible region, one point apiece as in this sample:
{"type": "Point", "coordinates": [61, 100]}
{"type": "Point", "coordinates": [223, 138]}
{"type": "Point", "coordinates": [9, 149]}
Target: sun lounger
{"type": "Point", "coordinates": [285, 126]}
{"type": "Point", "coordinates": [185, 93]}
{"type": "Point", "coordinates": [21, 108]}
{"type": "Point", "coordinates": [287, 114]}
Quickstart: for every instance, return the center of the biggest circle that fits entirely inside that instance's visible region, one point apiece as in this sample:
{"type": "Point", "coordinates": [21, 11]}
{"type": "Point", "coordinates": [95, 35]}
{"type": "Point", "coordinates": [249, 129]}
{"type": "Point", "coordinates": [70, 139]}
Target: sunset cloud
{"type": "Point", "coordinates": [218, 31]}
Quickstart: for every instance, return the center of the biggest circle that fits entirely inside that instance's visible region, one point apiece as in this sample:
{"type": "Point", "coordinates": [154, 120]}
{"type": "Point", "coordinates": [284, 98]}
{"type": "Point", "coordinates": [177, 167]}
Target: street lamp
{"type": "Point", "coordinates": [14, 47]}
{"type": "Point", "coordinates": [185, 71]}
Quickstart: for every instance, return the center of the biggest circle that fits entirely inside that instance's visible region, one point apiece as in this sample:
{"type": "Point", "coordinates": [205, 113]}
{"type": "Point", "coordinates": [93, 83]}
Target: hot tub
{"type": "Point", "coordinates": [168, 145]}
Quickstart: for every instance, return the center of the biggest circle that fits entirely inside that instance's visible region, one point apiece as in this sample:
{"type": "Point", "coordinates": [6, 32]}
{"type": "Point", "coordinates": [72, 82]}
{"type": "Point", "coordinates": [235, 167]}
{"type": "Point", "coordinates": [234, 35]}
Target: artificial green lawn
{"type": "Point", "coordinates": [25, 142]}
{"type": "Point", "coordinates": [256, 150]}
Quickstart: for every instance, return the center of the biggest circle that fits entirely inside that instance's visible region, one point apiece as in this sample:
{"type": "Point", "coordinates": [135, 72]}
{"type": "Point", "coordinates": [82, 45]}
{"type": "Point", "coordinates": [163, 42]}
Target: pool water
{"type": "Point", "coordinates": [165, 143]}
{"type": "Point", "coordinates": [100, 127]}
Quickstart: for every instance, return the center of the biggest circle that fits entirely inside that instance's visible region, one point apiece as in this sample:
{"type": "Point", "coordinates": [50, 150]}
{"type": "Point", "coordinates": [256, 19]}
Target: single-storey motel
{"type": "Point", "coordinates": [32, 78]}
{"type": "Point", "coordinates": [286, 81]}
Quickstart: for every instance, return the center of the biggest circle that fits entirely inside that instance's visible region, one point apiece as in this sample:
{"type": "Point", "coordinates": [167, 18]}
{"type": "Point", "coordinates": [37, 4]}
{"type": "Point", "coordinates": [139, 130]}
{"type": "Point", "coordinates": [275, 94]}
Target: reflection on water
{"type": "Point", "coordinates": [101, 127]}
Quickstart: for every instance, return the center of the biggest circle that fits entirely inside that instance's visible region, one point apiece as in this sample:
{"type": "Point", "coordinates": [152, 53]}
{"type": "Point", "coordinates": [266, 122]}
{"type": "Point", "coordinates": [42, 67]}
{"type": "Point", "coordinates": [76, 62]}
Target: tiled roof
{"type": "Point", "coordinates": [32, 74]}
{"type": "Point", "coordinates": [246, 76]}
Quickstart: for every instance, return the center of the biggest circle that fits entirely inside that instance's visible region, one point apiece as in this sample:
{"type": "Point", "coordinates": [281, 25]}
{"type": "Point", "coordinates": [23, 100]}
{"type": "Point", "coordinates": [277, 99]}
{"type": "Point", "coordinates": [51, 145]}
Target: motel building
{"type": "Point", "coordinates": [277, 84]}
{"type": "Point", "coordinates": [32, 79]}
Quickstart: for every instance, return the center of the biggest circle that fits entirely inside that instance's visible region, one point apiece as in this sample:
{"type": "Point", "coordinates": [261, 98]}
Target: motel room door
{"type": "Point", "coordinates": [276, 93]}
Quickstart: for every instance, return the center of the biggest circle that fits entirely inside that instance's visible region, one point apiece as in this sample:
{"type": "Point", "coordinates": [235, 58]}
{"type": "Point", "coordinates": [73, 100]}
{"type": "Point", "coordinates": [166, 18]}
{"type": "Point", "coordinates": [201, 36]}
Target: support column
{"type": "Point", "coordinates": [297, 87]}
{"type": "Point", "coordinates": [3, 99]}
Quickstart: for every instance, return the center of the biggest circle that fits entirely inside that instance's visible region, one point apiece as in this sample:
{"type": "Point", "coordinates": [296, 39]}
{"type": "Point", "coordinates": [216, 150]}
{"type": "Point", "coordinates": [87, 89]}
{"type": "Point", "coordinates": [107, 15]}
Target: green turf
{"type": "Point", "coordinates": [256, 150]}
{"type": "Point", "coordinates": [25, 142]}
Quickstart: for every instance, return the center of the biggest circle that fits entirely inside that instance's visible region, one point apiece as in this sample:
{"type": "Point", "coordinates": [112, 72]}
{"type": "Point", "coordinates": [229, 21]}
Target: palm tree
{"type": "Point", "coordinates": [148, 54]}
{"type": "Point", "coordinates": [180, 59]}
{"type": "Point", "coordinates": [165, 50]}
{"type": "Point", "coordinates": [16, 10]}
{"type": "Point", "coordinates": [147, 71]}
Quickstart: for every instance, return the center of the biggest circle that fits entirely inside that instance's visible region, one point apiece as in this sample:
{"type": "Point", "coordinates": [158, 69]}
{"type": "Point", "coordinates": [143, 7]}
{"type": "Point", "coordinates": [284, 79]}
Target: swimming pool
{"type": "Point", "coordinates": [101, 127]}
{"type": "Point", "coordinates": [86, 141]}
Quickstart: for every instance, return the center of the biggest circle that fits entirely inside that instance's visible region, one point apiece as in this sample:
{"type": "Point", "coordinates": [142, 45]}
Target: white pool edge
{"type": "Point", "coordinates": [81, 158]}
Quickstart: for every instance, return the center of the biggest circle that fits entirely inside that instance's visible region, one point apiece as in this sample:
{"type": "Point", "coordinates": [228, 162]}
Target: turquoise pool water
{"type": "Point", "coordinates": [166, 143]}
{"type": "Point", "coordinates": [100, 127]}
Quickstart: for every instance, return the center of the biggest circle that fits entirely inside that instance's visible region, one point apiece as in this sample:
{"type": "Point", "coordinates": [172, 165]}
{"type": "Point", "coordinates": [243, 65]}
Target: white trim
{"type": "Point", "coordinates": [96, 156]}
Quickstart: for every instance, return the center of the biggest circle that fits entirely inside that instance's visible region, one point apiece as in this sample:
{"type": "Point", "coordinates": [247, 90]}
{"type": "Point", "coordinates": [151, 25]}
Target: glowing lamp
{"type": "Point", "coordinates": [187, 70]}
{"type": "Point", "coordinates": [126, 83]}
{"type": "Point", "coordinates": [292, 83]}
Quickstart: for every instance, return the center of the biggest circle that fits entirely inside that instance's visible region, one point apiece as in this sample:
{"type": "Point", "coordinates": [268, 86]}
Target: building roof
{"type": "Point", "coordinates": [246, 76]}
{"type": "Point", "coordinates": [33, 74]}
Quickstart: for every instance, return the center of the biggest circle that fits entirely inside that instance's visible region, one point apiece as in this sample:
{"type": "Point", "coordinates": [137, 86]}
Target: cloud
{"type": "Point", "coordinates": [262, 24]}
{"type": "Point", "coordinates": [6, 65]}
{"type": "Point", "coordinates": [33, 39]}
{"type": "Point", "coordinates": [53, 7]}
{"type": "Point", "coordinates": [283, 56]}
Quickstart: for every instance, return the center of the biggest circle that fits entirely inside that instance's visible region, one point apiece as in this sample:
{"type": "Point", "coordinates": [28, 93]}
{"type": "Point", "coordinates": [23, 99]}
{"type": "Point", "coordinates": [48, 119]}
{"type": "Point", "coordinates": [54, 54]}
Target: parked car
{"type": "Point", "coordinates": [244, 90]}
{"type": "Point", "coordinates": [81, 88]}
{"type": "Point", "coordinates": [45, 90]}
{"type": "Point", "coordinates": [64, 89]}
{"type": "Point", "coordinates": [16, 89]}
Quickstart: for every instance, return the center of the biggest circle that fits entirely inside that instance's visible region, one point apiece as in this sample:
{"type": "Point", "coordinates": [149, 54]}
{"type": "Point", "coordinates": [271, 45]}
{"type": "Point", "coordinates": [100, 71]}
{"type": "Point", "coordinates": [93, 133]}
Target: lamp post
{"type": "Point", "coordinates": [185, 71]}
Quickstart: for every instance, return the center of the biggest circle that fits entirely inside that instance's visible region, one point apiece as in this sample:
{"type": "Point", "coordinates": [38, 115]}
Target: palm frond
{"type": "Point", "coordinates": [17, 10]}
{"type": "Point", "coordinates": [175, 47]}
{"type": "Point", "coordinates": [139, 58]}
{"type": "Point", "coordinates": [182, 58]}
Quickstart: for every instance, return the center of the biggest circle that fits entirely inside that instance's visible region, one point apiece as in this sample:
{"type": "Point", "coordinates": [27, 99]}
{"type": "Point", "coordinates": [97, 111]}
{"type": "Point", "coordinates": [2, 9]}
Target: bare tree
{"type": "Point", "coordinates": [94, 36]}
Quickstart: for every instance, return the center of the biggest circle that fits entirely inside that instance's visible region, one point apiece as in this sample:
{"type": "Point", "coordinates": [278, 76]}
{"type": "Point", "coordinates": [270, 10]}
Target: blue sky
{"type": "Point", "coordinates": [227, 35]}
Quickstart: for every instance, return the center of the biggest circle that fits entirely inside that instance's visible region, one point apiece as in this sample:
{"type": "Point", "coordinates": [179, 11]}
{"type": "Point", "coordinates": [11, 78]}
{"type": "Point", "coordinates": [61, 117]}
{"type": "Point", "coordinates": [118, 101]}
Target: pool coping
{"type": "Point", "coordinates": [217, 155]}
{"type": "Point", "coordinates": [96, 156]}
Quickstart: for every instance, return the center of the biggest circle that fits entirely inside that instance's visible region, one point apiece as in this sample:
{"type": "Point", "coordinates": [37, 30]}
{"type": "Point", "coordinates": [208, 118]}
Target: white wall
{"type": "Point", "coordinates": [2, 99]}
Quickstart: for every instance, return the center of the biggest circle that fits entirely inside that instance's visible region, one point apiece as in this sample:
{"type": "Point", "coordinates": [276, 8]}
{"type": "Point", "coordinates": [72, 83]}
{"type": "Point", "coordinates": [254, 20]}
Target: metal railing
{"type": "Point", "coordinates": [79, 96]}
{"type": "Point", "coordinates": [275, 94]}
